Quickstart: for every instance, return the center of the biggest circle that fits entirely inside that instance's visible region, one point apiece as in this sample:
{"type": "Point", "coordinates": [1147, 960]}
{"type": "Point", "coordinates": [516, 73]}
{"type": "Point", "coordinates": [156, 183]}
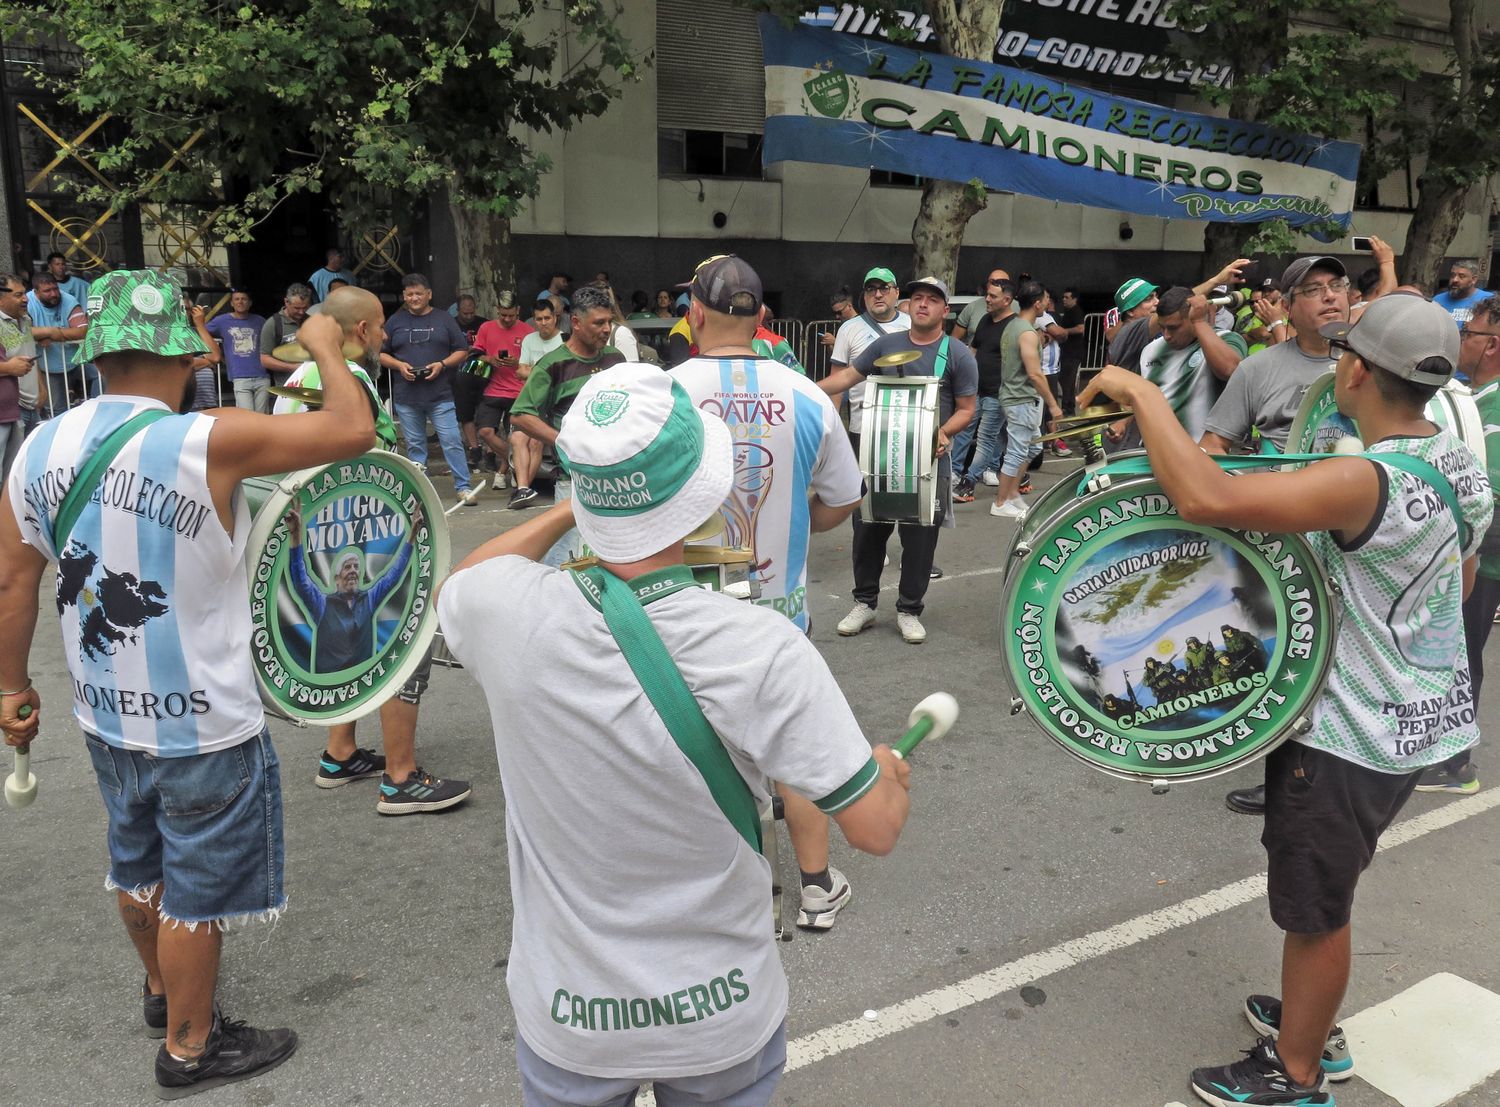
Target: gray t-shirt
{"type": "Point", "coordinates": [1264, 394]}
{"type": "Point", "coordinates": [1015, 385]}
{"type": "Point", "coordinates": [960, 374]}
{"type": "Point", "coordinates": [1129, 342]}
{"type": "Point", "coordinates": [969, 318]}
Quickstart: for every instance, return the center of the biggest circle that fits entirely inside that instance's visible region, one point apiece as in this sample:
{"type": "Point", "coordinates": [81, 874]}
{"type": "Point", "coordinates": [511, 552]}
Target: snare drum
{"type": "Point", "coordinates": [1158, 650]}
{"type": "Point", "coordinates": [898, 450]}
{"type": "Point", "coordinates": [339, 624]}
{"type": "Point", "coordinates": [1319, 427]}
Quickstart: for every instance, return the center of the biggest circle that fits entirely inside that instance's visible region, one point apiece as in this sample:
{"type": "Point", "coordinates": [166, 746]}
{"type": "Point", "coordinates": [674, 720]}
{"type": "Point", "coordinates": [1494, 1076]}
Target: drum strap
{"type": "Point", "coordinates": [941, 364]}
{"type": "Point", "coordinates": [625, 616]}
{"type": "Point", "coordinates": [88, 478]}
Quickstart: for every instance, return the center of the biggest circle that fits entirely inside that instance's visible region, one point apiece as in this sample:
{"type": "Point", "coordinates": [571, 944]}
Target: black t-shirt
{"type": "Point", "coordinates": [1072, 347]}
{"type": "Point", "coordinates": [987, 336]}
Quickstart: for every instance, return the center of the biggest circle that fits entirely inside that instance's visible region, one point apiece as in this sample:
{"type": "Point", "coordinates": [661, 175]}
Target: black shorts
{"type": "Point", "coordinates": [1324, 816]}
{"type": "Point", "coordinates": [468, 390]}
{"type": "Point", "coordinates": [494, 412]}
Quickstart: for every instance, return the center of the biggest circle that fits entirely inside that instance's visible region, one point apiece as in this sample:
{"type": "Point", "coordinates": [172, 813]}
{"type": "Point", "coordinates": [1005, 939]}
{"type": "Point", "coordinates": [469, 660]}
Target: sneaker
{"type": "Point", "coordinates": [934, 573]}
{"type": "Point", "coordinates": [420, 792]}
{"type": "Point", "coordinates": [502, 480]}
{"type": "Point", "coordinates": [860, 616]}
{"type": "Point", "coordinates": [1060, 448]}
{"type": "Point", "coordinates": [362, 763]}
{"type": "Point", "coordinates": [1264, 1013]}
{"type": "Point", "coordinates": [911, 628]}
{"type": "Point", "coordinates": [1010, 509]}
{"type": "Point", "coordinates": [233, 1052]}
{"type": "Point", "coordinates": [963, 492]}
{"type": "Point", "coordinates": [476, 456]}
{"type": "Point", "coordinates": [1440, 778]}
{"type": "Point", "coordinates": [990, 478]}
{"type": "Point", "coordinates": [522, 497]}
{"type": "Point", "coordinates": [819, 908]}
{"type": "Point", "coordinates": [1025, 489]}
{"type": "Point", "coordinates": [1247, 801]}
{"type": "Point", "coordinates": [154, 1009]}
{"type": "Point", "coordinates": [1093, 455]}
{"type": "Point", "coordinates": [469, 497]}
{"type": "Point", "coordinates": [1258, 1081]}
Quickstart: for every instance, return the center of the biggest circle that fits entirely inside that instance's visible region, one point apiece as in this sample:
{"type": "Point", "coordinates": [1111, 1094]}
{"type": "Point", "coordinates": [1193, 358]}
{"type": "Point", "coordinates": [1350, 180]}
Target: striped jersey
{"type": "Point", "coordinates": [1184, 377]}
{"type": "Point", "coordinates": [555, 381]}
{"type": "Point", "coordinates": [787, 441]}
{"type": "Point", "coordinates": [151, 590]}
{"type": "Point", "coordinates": [1399, 696]}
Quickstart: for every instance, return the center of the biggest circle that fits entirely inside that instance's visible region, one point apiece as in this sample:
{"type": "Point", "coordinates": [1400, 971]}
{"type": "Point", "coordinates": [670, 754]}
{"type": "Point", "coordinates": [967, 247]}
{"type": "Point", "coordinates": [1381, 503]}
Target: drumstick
{"type": "Point", "coordinates": [20, 787]}
{"type": "Point", "coordinates": [478, 488]}
{"type": "Point", "coordinates": [932, 718]}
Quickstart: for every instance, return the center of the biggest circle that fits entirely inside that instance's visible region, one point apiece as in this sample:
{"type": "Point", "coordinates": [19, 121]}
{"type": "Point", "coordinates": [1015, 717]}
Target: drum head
{"type": "Point", "coordinates": [1318, 426]}
{"type": "Point", "coordinates": [333, 642]}
{"type": "Point", "coordinates": [1158, 650]}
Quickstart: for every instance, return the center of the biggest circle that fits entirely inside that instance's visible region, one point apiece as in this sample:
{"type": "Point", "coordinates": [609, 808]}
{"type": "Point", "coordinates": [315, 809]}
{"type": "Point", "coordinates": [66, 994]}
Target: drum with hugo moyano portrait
{"type": "Point", "coordinates": [1154, 649]}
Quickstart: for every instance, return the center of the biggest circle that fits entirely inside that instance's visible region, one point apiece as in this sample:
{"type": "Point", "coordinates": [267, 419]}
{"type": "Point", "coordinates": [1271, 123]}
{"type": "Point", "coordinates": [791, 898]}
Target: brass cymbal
{"type": "Point", "coordinates": [295, 351]}
{"type": "Point", "coordinates": [709, 528]}
{"type": "Point", "coordinates": [312, 397]}
{"type": "Point", "coordinates": [1080, 430]}
{"type": "Point", "coordinates": [901, 357]}
{"type": "Point", "coordinates": [1103, 411]}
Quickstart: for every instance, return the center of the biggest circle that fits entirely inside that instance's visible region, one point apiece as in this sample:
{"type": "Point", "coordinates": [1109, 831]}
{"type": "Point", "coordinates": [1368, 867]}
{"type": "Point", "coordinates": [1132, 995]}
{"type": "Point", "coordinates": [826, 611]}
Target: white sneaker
{"type": "Point", "coordinates": [819, 908]}
{"type": "Point", "coordinates": [502, 480]}
{"type": "Point", "coordinates": [1010, 509]}
{"type": "Point", "coordinates": [911, 628]}
{"type": "Point", "coordinates": [859, 617]}
{"type": "Point", "coordinates": [991, 478]}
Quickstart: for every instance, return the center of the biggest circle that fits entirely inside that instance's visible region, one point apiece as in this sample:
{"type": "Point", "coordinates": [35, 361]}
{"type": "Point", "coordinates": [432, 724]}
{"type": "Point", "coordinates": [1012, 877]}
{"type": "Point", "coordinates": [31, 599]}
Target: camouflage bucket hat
{"type": "Point", "coordinates": [137, 309]}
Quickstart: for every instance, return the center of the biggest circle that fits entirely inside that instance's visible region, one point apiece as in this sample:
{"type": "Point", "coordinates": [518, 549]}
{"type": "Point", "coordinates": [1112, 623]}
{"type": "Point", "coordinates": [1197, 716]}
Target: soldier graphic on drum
{"type": "Point", "coordinates": [1246, 652]}
{"type": "Point", "coordinates": [1199, 658]}
{"type": "Point", "coordinates": [344, 615]}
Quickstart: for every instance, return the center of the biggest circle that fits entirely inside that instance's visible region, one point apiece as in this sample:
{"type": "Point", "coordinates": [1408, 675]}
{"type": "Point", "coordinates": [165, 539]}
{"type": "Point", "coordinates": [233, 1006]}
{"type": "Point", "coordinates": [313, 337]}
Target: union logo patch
{"type": "Point", "coordinates": [607, 406]}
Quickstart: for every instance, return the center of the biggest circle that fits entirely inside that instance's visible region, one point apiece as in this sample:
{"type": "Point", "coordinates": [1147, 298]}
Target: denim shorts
{"type": "Point", "coordinates": [206, 827]}
{"type": "Point", "coordinates": [1023, 423]}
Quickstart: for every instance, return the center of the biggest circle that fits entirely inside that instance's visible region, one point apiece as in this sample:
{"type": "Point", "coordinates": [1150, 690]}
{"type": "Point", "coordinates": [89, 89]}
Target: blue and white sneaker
{"type": "Point", "coordinates": [362, 763]}
{"type": "Point", "coordinates": [1264, 1013]}
{"type": "Point", "coordinates": [420, 792]}
{"type": "Point", "coordinates": [1257, 1081]}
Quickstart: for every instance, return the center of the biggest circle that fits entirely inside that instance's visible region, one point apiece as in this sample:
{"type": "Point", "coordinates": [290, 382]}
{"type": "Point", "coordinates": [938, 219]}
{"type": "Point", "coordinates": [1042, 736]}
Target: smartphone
{"type": "Point", "coordinates": [1360, 244]}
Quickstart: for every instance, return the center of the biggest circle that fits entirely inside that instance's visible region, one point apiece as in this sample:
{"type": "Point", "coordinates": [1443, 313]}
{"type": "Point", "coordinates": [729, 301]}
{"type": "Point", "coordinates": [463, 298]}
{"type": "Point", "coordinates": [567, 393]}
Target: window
{"type": "Point", "coordinates": [884, 178]}
{"type": "Point", "coordinates": [684, 153]}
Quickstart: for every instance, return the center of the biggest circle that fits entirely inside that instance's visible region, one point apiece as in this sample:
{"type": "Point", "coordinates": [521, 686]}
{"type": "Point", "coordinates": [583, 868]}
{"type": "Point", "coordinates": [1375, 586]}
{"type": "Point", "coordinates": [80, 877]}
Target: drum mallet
{"type": "Point", "coordinates": [20, 786]}
{"type": "Point", "coordinates": [478, 488]}
{"type": "Point", "coordinates": [932, 718]}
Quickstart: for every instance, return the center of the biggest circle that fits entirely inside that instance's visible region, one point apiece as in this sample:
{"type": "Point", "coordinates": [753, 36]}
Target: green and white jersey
{"type": "Point", "coordinates": [306, 375]}
{"type": "Point", "coordinates": [1186, 380]}
{"type": "Point", "coordinates": [642, 939]}
{"type": "Point", "coordinates": [1487, 399]}
{"type": "Point", "coordinates": [1399, 697]}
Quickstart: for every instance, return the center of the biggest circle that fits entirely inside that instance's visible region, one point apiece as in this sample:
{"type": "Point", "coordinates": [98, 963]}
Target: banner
{"type": "Point", "coordinates": [1121, 43]}
{"type": "Point", "coordinates": [838, 100]}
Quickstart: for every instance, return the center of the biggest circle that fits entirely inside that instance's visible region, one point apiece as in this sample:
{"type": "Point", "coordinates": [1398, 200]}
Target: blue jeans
{"type": "Point", "coordinates": [1023, 424]}
{"type": "Point", "coordinates": [206, 827]}
{"type": "Point", "coordinates": [990, 423]}
{"type": "Point", "coordinates": [413, 419]}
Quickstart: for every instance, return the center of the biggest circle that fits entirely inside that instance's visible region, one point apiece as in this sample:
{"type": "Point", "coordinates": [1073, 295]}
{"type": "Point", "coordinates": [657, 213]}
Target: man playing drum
{"type": "Point", "coordinates": [641, 949]}
{"type": "Point", "coordinates": [794, 474]}
{"type": "Point", "coordinates": [156, 623]}
{"type": "Point", "coordinates": [953, 364]}
{"type": "Point", "coordinates": [1402, 560]}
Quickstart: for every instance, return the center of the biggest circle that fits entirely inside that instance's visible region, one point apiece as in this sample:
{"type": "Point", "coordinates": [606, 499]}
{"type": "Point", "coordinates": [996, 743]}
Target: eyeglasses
{"type": "Point", "coordinates": [1466, 330]}
{"type": "Point", "coordinates": [880, 288]}
{"type": "Point", "coordinates": [1340, 347]}
{"type": "Point", "coordinates": [1339, 284]}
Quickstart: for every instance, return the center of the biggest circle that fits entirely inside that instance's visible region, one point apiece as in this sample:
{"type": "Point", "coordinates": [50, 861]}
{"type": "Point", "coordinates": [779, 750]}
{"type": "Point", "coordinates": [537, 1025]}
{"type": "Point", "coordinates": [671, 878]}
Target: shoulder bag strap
{"type": "Point", "coordinates": [92, 473]}
{"type": "Point", "coordinates": [669, 694]}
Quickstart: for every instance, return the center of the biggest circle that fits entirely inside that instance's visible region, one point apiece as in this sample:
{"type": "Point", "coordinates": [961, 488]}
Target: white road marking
{"type": "Point", "coordinates": [1429, 1044]}
{"type": "Point", "coordinates": [844, 1036]}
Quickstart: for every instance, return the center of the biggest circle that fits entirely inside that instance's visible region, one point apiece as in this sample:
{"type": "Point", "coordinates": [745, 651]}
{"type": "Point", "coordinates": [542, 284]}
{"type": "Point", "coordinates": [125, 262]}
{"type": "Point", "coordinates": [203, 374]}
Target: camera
{"type": "Point", "coordinates": [421, 372]}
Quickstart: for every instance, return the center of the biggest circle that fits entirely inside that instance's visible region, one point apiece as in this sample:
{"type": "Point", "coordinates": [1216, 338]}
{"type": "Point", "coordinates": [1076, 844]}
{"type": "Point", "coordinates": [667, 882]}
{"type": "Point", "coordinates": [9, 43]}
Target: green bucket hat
{"type": "Point", "coordinates": [138, 309]}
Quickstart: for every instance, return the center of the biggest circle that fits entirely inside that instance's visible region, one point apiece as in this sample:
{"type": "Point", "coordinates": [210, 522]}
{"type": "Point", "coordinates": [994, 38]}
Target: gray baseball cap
{"type": "Point", "coordinates": [932, 284]}
{"type": "Point", "coordinates": [1294, 273]}
{"type": "Point", "coordinates": [1398, 333]}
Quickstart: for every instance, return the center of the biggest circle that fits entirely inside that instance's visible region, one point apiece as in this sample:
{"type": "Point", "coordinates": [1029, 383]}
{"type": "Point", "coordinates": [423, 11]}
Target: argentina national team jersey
{"type": "Point", "coordinates": [151, 590]}
{"type": "Point", "coordinates": [787, 441]}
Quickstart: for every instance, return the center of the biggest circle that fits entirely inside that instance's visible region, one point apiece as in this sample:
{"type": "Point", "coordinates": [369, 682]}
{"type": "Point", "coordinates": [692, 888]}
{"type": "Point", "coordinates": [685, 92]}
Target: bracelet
{"type": "Point", "coordinates": [24, 688]}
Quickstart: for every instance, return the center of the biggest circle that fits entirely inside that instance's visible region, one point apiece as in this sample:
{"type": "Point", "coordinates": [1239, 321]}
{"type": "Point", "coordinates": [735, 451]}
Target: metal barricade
{"type": "Point", "coordinates": [1095, 345]}
{"type": "Point", "coordinates": [817, 355]}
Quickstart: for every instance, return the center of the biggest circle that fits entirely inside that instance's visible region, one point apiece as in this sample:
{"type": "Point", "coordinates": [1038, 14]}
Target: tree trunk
{"type": "Point", "coordinates": [486, 266]}
{"type": "Point", "coordinates": [1440, 210]}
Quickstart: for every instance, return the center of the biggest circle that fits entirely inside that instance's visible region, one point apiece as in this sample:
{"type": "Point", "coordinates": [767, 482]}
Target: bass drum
{"type": "Point", "coordinates": [898, 450]}
{"type": "Point", "coordinates": [1320, 429]}
{"type": "Point", "coordinates": [1157, 650]}
{"type": "Point", "coordinates": [343, 615]}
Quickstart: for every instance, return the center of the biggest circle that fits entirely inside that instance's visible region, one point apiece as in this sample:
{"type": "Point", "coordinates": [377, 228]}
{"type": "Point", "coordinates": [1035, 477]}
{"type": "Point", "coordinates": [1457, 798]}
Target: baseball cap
{"type": "Point", "coordinates": [1133, 293]}
{"type": "Point", "coordinates": [1294, 273]}
{"type": "Point", "coordinates": [931, 283]}
{"type": "Point", "coordinates": [882, 274]}
{"type": "Point", "coordinates": [647, 466]}
{"type": "Point", "coordinates": [719, 279]}
{"type": "Point", "coordinates": [137, 309]}
{"type": "Point", "coordinates": [1398, 333]}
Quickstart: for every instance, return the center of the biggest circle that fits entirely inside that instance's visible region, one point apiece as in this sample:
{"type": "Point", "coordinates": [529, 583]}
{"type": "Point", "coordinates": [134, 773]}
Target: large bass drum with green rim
{"type": "Point", "coordinates": [1320, 429]}
{"type": "Point", "coordinates": [1159, 650]}
{"type": "Point", "coordinates": [342, 615]}
{"type": "Point", "coordinates": [898, 450]}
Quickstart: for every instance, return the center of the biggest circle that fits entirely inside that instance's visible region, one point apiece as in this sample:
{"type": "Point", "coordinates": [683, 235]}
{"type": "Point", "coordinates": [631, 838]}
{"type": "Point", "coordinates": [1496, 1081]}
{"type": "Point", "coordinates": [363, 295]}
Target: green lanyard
{"type": "Point", "coordinates": [941, 364]}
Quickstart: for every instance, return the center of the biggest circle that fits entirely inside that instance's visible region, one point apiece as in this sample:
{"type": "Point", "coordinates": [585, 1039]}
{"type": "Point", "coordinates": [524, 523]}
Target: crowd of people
{"type": "Point", "coordinates": [698, 701]}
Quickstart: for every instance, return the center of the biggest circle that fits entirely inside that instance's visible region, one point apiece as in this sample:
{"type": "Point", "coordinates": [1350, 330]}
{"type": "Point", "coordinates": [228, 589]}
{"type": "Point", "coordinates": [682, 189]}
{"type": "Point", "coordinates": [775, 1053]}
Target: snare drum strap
{"type": "Point", "coordinates": [940, 365]}
{"type": "Point", "coordinates": [626, 618]}
{"type": "Point", "coordinates": [88, 478]}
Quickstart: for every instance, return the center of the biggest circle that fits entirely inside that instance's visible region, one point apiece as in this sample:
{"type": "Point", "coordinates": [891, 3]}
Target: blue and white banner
{"type": "Point", "coordinates": [838, 100]}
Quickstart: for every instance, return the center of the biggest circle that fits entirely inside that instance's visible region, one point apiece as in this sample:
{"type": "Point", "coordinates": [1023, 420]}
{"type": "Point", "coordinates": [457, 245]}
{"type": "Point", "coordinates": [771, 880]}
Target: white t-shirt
{"type": "Point", "coordinates": [787, 441]}
{"type": "Point", "coordinates": [853, 338]}
{"type": "Point", "coordinates": [629, 885]}
{"type": "Point", "coordinates": [154, 601]}
{"type": "Point", "coordinates": [534, 347]}
{"type": "Point", "coordinates": [1051, 347]}
{"type": "Point", "coordinates": [624, 340]}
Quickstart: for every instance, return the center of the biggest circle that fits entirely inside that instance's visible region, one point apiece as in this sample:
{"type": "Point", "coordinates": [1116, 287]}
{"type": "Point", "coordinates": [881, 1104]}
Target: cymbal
{"type": "Point", "coordinates": [295, 351]}
{"type": "Point", "coordinates": [1079, 430]}
{"type": "Point", "coordinates": [1092, 415]}
{"type": "Point", "coordinates": [709, 528]}
{"type": "Point", "coordinates": [901, 357]}
{"type": "Point", "coordinates": [313, 397]}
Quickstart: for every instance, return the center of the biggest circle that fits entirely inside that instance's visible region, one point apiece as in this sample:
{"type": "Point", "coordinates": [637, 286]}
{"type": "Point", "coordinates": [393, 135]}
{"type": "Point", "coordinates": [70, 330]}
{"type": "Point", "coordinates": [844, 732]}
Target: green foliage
{"type": "Point", "coordinates": [359, 99]}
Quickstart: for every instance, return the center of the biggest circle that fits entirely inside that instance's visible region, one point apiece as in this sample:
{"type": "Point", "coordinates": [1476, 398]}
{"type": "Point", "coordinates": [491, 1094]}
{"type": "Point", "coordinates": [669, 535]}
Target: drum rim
{"type": "Point", "coordinates": [284, 485]}
{"type": "Point", "coordinates": [1321, 586]}
{"type": "Point", "coordinates": [932, 387]}
{"type": "Point", "coordinates": [1468, 425]}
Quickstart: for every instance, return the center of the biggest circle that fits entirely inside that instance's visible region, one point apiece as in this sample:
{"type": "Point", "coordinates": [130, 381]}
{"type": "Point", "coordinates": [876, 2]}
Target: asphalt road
{"type": "Point", "coordinates": [1043, 934]}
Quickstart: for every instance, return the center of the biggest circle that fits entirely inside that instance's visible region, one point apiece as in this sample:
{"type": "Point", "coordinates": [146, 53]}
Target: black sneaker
{"type": "Point", "coordinates": [476, 457]}
{"type": "Point", "coordinates": [1264, 1013]}
{"type": "Point", "coordinates": [233, 1052]}
{"type": "Point", "coordinates": [1247, 801]}
{"type": "Point", "coordinates": [362, 763]}
{"type": "Point", "coordinates": [154, 1009]}
{"type": "Point", "coordinates": [934, 573]}
{"type": "Point", "coordinates": [1257, 1081]}
{"type": "Point", "coordinates": [420, 792]}
{"type": "Point", "coordinates": [1093, 455]}
{"type": "Point", "coordinates": [1440, 778]}
{"type": "Point", "coordinates": [963, 492]}
{"type": "Point", "coordinates": [522, 497]}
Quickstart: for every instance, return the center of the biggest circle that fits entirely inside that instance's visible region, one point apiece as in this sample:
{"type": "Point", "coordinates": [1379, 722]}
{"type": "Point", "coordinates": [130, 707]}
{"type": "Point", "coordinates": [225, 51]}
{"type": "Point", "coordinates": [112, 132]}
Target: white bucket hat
{"type": "Point", "coordinates": [647, 466]}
